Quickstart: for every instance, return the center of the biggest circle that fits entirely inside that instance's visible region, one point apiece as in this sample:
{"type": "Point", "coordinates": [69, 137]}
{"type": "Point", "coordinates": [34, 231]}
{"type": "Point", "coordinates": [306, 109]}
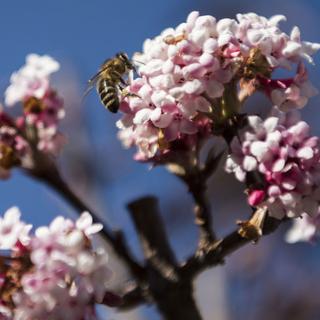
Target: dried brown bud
{"type": "Point", "coordinates": [252, 229]}
{"type": "Point", "coordinates": [162, 142]}
{"type": "Point", "coordinates": [8, 158]}
{"type": "Point", "coordinates": [174, 39]}
{"type": "Point", "coordinates": [256, 64]}
{"type": "Point", "coordinates": [33, 105]}
{"type": "Point", "coordinates": [247, 88]}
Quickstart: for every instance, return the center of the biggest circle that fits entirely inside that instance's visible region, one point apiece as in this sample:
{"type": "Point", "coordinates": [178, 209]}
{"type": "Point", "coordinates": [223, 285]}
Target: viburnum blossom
{"type": "Point", "coordinates": [58, 275]}
{"type": "Point", "coordinates": [42, 107]}
{"type": "Point", "coordinates": [291, 93]}
{"type": "Point", "coordinates": [12, 230]}
{"type": "Point", "coordinates": [37, 126]}
{"type": "Point", "coordinates": [32, 80]}
{"type": "Point", "coordinates": [280, 162]}
{"type": "Point", "coordinates": [254, 31]}
{"type": "Point", "coordinates": [14, 149]}
{"type": "Point", "coordinates": [185, 75]}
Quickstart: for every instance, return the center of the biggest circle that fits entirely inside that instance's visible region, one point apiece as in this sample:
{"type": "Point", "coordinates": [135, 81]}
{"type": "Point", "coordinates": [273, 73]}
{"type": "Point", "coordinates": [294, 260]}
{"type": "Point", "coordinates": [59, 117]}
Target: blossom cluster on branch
{"type": "Point", "coordinates": [36, 127]}
{"type": "Point", "coordinates": [54, 273]}
{"type": "Point", "coordinates": [187, 74]}
{"type": "Point", "coordinates": [192, 84]}
{"type": "Point", "coordinates": [282, 160]}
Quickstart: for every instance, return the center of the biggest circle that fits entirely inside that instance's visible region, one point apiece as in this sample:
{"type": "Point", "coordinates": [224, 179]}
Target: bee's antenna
{"type": "Point", "coordinates": [137, 61]}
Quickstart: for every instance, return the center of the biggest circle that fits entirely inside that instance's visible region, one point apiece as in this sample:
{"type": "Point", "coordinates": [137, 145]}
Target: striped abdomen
{"type": "Point", "coordinates": [108, 92]}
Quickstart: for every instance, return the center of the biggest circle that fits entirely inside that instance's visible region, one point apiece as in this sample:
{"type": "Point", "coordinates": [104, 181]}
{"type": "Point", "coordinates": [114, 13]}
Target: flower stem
{"type": "Point", "coordinates": [202, 210]}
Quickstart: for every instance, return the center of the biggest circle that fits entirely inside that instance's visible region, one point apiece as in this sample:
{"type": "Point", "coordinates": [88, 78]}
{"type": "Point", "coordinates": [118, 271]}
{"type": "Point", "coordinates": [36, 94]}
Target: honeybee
{"type": "Point", "coordinates": [109, 80]}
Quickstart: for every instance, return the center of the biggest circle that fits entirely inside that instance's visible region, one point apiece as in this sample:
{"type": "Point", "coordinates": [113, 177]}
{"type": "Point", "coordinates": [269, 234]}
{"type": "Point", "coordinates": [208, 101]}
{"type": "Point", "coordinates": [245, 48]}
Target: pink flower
{"type": "Point", "coordinates": [293, 93]}
{"type": "Point", "coordinates": [86, 225]}
{"type": "Point", "coordinates": [5, 312]}
{"type": "Point", "coordinates": [42, 111]}
{"type": "Point", "coordinates": [279, 48]}
{"type": "Point", "coordinates": [64, 276]}
{"type": "Point", "coordinates": [285, 161]}
{"type": "Point", "coordinates": [32, 80]}
{"type": "Point", "coordinates": [179, 71]}
{"type": "Point", "coordinates": [13, 230]}
{"type": "Point", "coordinates": [256, 197]}
{"type": "Point", "coordinates": [184, 73]}
{"type": "Point", "coordinates": [14, 150]}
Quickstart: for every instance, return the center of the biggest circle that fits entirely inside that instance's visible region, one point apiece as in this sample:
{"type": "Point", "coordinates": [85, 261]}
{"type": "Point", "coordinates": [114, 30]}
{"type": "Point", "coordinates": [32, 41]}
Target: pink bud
{"type": "Point", "coordinates": [256, 197]}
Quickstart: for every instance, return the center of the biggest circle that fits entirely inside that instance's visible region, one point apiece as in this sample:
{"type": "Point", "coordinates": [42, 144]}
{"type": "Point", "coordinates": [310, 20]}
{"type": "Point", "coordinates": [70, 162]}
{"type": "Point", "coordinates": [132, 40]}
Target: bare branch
{"type": "Point", "coordinates": [46, 171]}
{"type": "Point", "coordinates": [173, 295]}
{"type": "Point", "coordinates": [132, 297]}
{"type": "Point", "coordinates": [145, 215]}
{"type": "Point", "coordinates": [222, 248]}
{"type": "Point", "coordinates": [196, 182]}
{"type": "Point", "coordinates": [196, 177]}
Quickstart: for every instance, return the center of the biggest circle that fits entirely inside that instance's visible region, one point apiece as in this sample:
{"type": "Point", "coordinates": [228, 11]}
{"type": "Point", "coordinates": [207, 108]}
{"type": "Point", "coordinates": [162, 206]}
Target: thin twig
{"type": "Point", "coordinates": [131, 298]}
{"type": "Point", "coordinates": [196, 179]}
{"type": "Point", "coordinates": [46, 171]}
{"type": "Point", "coordinates": [222, 248]}
{"type": "Point", "coordinates": [149, 226]}
{"type": "Point", "coordinates": [203, 217]}
{"type": "Point", "coordinates": [172, 295]}
{"type": "Point", "coordinates": [196, 182]}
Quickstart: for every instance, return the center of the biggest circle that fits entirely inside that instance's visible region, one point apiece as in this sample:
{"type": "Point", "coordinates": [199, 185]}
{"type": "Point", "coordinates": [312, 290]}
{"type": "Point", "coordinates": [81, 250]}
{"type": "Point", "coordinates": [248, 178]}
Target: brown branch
{"type": "Point", "coordinates": [172, 295]}
{"type": "Point", "coordinates": [146, 218]}
{"type": "Point", "coordinates": [196, 182]}
{"type": "Point", "coordinates": [46, 171]}
{"type": "Point", "coordinates": [202, 211]}
{"type": "Point", "coordinates": [222, 248]}
{"type": "Point", "coordinates": [132, 297]}
{"type": "Point", "coordinates": [196, 179]}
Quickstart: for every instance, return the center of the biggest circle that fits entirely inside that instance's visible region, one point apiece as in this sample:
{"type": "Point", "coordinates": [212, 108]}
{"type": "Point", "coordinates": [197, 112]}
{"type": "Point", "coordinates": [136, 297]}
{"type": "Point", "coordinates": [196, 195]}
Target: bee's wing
{"type": "Point", "coordinates": [92, 82]}
{"type": "Point", "coordinates": [86, 92]}
{"type": "Point", "coordinates": [130, 76]}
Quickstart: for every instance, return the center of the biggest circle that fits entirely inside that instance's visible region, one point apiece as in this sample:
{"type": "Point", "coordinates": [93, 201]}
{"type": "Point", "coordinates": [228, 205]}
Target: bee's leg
{"type": "Point", "coordinates": [118, 77]}
{"type": "Point", "coordinates": [123, 82]}
{"type": "Point", "coordinates": [122, 85]}
{"type": "Point", "coordinates": [125, 93]}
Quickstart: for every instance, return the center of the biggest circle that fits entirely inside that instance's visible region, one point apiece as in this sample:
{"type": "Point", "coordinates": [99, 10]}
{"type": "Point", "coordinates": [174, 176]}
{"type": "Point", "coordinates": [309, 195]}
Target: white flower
{"type": "Point", "coordinates": [86, 225]}
{"type": "Point", "coordinates": [32, 79]}
{"type": "Point", "coordinates": [12, 229]}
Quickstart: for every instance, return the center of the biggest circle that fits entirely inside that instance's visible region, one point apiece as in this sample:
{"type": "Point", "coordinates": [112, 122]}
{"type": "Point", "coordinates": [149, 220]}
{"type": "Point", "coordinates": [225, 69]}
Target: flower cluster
{"type": "Point", "coordinates": [291, 93]}
{"type": "Point", "coordinates": [52, 274]}
{"type": "Point", "coordinates": [280, 162]}
{"type": "Point", "coordinates": [186, 72]}
{"type": "Point", "coordinates": [14, 149]}
{"type": "Point", "coordinates": [32, 80]}
{"type": "Point", "coordinates": [42, 111]}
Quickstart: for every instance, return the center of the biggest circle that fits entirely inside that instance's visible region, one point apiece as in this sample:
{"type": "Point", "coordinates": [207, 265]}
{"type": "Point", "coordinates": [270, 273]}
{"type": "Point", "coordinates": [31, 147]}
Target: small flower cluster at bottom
{"type": "Point", "coordinates": [280, 162]}
{"type": "Point", "coordinates": [51, 274]}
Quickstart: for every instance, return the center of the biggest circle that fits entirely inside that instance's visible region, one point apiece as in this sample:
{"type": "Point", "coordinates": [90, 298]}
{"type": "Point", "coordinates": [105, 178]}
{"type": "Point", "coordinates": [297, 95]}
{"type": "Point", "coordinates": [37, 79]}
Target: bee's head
{"type": "Point", "coordinates": [124, 58]}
